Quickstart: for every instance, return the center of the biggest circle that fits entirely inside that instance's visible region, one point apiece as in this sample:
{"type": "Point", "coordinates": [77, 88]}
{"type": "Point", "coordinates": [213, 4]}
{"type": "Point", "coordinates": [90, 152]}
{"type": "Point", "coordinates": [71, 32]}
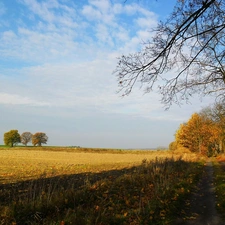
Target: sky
{"type": "Point", "coordinates": [57, 59]}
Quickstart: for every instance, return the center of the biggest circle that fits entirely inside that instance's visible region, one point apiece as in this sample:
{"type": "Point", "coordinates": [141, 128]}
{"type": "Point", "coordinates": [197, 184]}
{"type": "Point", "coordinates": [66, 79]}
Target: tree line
{"type": "Point", "coordinates": [12, 138]}
{"type": "Point", "coordinates": [204, 132]}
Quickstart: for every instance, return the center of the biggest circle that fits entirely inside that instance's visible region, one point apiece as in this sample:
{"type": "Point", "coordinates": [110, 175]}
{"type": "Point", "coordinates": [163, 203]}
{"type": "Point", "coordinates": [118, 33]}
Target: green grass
{"type": "Point", "coordinates": [4, 146]}
{"type": "Point", "coordinates": [151, 193]}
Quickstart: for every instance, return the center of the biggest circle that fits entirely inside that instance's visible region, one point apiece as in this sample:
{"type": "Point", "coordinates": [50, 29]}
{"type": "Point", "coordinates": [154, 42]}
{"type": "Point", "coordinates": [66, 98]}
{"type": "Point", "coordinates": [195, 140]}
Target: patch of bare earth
{"type": "Point", "coordinates": [200, 209]}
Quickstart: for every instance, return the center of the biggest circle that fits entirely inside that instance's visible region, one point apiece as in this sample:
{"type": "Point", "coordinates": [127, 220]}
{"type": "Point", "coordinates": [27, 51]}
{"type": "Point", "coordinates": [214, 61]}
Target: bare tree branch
{"type": "Point", "coordinates": [190, 45]}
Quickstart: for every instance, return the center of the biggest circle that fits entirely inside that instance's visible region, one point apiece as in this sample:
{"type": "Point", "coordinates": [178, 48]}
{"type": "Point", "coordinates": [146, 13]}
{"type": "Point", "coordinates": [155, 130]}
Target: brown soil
{"type": "Point", "coordinates": [200, 209]}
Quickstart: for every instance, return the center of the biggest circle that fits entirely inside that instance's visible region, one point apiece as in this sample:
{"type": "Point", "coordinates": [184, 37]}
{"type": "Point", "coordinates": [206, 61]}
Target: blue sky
{"type": "Point", "coordinates": [56, 64]}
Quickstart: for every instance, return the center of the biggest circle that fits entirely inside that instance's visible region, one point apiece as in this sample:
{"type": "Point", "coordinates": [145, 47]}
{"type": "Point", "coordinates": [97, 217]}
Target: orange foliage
{"type": "Point", "coordinates": [199, 134]}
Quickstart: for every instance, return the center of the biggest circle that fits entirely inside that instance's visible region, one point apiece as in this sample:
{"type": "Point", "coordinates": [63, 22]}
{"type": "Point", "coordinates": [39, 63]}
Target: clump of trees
{"type": "Point", "coordinates": [13, 138]}
{"type": "Point", "coordinates": [204, 132]}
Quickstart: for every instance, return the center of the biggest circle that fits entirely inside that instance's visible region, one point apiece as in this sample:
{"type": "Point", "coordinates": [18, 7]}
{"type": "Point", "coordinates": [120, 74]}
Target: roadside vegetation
{"type": "Point", "coordinates": [219, 174]}
{"type": "Point", "coordinates": [122, 189]}
{"type": "Point", "coordinates": [203, 133]}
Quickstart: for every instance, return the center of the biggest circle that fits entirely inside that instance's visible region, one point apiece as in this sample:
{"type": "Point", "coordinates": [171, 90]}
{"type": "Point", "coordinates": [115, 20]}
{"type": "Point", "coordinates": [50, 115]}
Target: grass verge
{"type": "Point", "coordinates": [219, 174]}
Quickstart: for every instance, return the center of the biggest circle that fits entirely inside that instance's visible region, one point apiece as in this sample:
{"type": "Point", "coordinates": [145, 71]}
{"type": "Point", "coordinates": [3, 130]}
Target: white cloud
{"type": "Point", "coordinates": [62, 33]}
{"type": "Point", "coordinates": [117, 8]}
{"type": "Point", "coordinates": [12, 99]}
{"type": "Point", "coordinates": [47, 11]}
{"type": "Point", "coordinates": [88, 86]}
{"type": "Point", "coordinates": [103, 5]}
{"type": "Point", "coordinates": [91, 13]}
{"type": "Point", "coordinates": [147, 22]}
{"type": "Point", "coordinates": [101, 11]}
{"type": "Point", "coordinates": [131, 9]}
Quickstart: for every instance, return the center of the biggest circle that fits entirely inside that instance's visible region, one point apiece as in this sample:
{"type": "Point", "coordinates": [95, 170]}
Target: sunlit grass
{"type": "Point", "coordinates": [29, 163]}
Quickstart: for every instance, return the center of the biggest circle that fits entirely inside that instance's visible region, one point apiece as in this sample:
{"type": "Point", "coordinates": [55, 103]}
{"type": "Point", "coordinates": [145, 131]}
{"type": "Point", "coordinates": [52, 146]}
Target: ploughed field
{"type": "Point", "coordinates": [94, 186]}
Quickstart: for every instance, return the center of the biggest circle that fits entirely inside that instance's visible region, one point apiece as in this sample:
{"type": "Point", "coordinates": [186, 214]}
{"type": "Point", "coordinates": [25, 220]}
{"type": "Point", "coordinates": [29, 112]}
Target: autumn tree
{"type": "Point", "coordinates": [217, 114]}
{"type": "Point", "coordinates": [173, 146]}
{"type": "Point", "coordinates": [181, 136]}
{"type": "Point", "coordinates": [26, 137]}
{"type": "Point", "coordinates": [185, 56]}
{"type": "Point", "coordinates": [11, 138]}
{"type": "Point", "coordinates": [39, 138]}
{"type": "Point", "coordinates": [199, 134]}
{"type": "Point", "coordinates": [219, 117]}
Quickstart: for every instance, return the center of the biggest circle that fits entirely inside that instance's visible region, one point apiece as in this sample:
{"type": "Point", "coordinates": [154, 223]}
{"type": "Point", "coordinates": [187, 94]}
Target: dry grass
{"type": "Point", "coordinates": [21, 164]}
{"type": "Point", "coordinates": [29, 163]}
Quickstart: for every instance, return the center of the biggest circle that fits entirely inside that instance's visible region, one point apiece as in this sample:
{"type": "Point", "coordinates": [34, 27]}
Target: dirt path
{"type": "Point", "coordinates": [200, 209]}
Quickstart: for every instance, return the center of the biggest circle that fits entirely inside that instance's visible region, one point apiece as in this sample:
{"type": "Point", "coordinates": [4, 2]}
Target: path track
{"type": "Point", "coordinates": [201, 208]}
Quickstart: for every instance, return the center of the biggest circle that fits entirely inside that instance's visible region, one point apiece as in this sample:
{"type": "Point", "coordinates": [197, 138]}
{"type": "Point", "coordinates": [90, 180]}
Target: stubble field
{"type": "Point", "coordinates": [93, 186]}
{"type": "Point", "coordinates": [28, 163]}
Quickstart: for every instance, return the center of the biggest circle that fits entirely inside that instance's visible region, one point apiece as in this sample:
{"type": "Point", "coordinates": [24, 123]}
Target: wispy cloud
{"type": "Point", "coordinates": [9, 99]}
{"type": "Point", "coordinates": [55, 31]}
{"type": "Point", "coordinates": [53, 12]}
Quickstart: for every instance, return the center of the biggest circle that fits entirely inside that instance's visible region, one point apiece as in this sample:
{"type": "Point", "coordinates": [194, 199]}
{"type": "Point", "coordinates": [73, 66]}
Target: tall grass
{"type": "Point", "coordinates": [151, 193]}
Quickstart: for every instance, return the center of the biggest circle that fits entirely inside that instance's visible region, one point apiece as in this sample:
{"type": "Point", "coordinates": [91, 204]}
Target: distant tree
{"type": "Point", "coordinates": [26, 137]}
{"type": "Point", "coordinates": [39, 138]}
{"type": "Point", "coordinates": [12, 138]}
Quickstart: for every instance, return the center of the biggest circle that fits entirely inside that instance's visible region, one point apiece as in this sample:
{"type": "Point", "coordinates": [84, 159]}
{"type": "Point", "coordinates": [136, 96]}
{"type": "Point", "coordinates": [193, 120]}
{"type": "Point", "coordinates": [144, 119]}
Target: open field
{"type": "Point", "coordinates": [94, 186]}
{"type": "Point", "coordinates": [28, 163]}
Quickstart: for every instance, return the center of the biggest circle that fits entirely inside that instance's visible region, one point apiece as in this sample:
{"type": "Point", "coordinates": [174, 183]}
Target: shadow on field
{"type": "Point", "coordinates": [18, 191]}
{"type": "Point", "coordinates": [152, 193]}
